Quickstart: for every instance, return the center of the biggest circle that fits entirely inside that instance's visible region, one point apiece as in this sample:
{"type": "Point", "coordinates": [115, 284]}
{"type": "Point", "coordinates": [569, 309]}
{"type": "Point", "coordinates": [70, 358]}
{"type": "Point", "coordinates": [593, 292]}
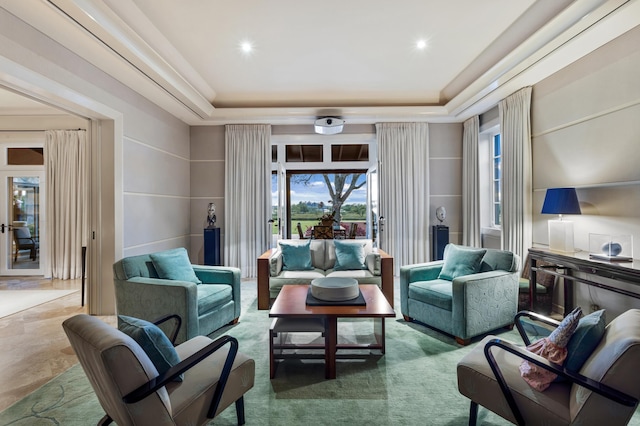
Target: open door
{"type": "Point", "coordinates": [372, 205]}
{"type": "Point", "coordinates": [282, 201]}
{"type": "Point", "coordinates": [278, 219]}
{"type": "Point", "coordinates": [21, 226]}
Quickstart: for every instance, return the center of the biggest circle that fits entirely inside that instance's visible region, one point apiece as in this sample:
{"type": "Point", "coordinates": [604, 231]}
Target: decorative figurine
{"type": "Point", "coordinates": [211, 216]}
{"type": "Point", "coordinates": [441, 213]}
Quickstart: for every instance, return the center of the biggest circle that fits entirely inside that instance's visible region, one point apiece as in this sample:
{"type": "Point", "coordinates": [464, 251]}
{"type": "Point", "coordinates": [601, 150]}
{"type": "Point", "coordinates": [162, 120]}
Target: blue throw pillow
{"type": "Point", "coordinates": [350, 255]}
{"type": "Point", "coordinates": [174, 265]}
{"type": "Point", "coordinates": [584, 340]}
{"type": "Point", "coordinates": [459, 261]}
{"type": "Point", "coordinates": [153, 342]}
{"type": "Point", "coordinates": [296, 256]}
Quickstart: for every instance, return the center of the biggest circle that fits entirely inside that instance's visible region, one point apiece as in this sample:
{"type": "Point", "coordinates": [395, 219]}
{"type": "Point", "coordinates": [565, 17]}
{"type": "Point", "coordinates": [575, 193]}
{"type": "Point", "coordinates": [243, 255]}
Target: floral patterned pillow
{"type": "Point", "coordinates": [553, 348]}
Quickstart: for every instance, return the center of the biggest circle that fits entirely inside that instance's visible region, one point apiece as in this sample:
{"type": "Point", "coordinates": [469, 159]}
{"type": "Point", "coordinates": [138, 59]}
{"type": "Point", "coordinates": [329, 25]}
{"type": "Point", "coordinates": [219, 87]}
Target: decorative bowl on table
{"type": "Point", "coordinates": [335, 289]}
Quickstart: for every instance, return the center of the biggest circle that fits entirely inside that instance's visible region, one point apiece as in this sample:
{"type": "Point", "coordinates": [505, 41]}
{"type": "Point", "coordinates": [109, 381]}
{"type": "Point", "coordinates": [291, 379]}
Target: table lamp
{"type": "Point", "coordinates": [561, 201]}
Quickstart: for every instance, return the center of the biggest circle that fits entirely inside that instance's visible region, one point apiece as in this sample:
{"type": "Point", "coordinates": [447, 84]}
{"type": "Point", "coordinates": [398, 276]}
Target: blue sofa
{"type": "Point", "coordinates": [204, 307]}
{"type": "Point", "coordinates": [480, 296]}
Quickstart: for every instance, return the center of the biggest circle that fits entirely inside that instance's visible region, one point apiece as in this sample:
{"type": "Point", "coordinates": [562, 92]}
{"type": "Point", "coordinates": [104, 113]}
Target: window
{"type": "Point", "coordinates": [25, 156]}
{"type": "Point", "coordinates": [313, 163]}
{"type": "Point", "coordinates": [496, 188]}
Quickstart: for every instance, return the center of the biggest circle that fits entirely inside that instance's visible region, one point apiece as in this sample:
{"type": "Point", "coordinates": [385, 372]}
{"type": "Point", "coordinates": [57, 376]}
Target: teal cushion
{"type": "Point", "coordinates": [296, 256]}
{"type": "Point", "coordinates": [153, 342]}
{"type": "Point", "coordinates": [212, 296]}
{"type": "Point", "coordinates": [434, 292]}
{"type": "Point", "coordinates": [350, 255]}
{"type": "Point", "coordinates": [523, 287]}
{"type": "Point", "coordinates": [584, 340]}
{"type": "Point", "coordinates": [459, 261]}
{"type": "Point", "coordinates": [174, 265]}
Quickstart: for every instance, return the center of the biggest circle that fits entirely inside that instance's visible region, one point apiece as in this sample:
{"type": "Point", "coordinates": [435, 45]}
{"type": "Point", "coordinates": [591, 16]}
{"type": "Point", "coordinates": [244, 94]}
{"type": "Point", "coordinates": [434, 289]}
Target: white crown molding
{"type": "Point", "coordinates": [188, 105]}
{"type": "Point", "coordinates": [107, 27]}
{"type": "Point", "coordinates": [114, 46]}
{"type": "Point", "coordinates": [580, 29]}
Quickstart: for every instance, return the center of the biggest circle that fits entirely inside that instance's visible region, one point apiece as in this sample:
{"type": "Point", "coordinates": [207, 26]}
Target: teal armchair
{"type": "Point", "coordinates": [204, 307]}
{"type": "Point", "coordinates": [480, 296]}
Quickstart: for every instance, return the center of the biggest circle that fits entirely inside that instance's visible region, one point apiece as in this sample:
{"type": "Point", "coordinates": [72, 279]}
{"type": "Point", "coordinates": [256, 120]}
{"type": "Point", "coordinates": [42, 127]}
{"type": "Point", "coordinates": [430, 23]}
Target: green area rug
{"type": "Point", "coordinates": [414, 383]}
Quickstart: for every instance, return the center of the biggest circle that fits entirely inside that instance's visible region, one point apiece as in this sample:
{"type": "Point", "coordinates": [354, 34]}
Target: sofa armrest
{"type": "Point", "coordinates": [275, 263]}
{"type": "Point", "coordinates": [151, 298]}
{"type": "Point", "coordinates": [484, 302]}
{"type": "Point", "coordinates": [416, 272]}
{"type": "Point", "coordinates": [373, 263]}
{"type": "Point", "coordinates": [386, 275]}
{"type": "Point", "coordinates": [217, 274]}
{"type": "Point", "coordinates": [263, 278]}
{"type": "Point", "coordinates": [222, 275]}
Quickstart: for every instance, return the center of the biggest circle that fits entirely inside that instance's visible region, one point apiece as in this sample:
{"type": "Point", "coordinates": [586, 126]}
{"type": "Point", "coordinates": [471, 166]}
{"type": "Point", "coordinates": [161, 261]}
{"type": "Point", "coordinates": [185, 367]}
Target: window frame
{"type": "Point", "coordinates": [497, 224]}
{"type": "Point", "coordinates": [325, 166]}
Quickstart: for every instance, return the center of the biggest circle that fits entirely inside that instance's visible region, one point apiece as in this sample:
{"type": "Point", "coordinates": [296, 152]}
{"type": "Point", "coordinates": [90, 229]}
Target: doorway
{"type": "Point", "coordinates": [22, 199]}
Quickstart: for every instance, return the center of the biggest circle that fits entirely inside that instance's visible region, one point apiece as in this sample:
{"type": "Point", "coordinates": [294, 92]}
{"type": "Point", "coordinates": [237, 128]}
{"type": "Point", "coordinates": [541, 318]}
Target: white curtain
{"type": "Point", "coordinates": [67, 183]}
{"type": "Point", "coordinates": [247, 195]}
{"type": "Point", "coordinates": [471, 184]}
{"type": "Point", "coordinates": [403, 154]}
{"type": "Point", "coordinates": [515, 128]}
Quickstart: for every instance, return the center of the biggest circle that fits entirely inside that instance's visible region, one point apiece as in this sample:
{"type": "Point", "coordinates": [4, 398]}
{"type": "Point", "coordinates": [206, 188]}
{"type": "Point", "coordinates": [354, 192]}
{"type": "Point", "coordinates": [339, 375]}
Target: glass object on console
{"type": "Point", "coordinates": [611, 247]}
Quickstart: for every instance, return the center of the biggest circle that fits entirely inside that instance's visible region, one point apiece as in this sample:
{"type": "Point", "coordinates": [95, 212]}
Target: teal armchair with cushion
{"type": "Point", "coordinates": [469, 293]}
{"type": "Point", "coordinates": [153, 285]}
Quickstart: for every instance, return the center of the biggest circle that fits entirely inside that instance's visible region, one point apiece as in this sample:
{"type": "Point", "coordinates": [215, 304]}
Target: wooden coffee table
{"type": "Point", "coordinates": [291, 303]}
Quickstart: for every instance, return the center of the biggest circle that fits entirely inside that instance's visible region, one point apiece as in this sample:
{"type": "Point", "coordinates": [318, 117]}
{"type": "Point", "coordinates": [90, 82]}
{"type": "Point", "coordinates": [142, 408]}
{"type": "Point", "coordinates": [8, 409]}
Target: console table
{"type": "Point", "coordinates": [565, 265]}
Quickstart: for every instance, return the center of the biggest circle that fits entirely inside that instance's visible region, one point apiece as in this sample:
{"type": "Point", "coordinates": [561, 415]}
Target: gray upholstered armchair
{"type": "Point", "coordinates": [132, 391]}
{"type": "Point", "coordinates": [150, 286]}
{"type": "Point", "coordinates": [603, 390]}
{"type": "Point", "coordinates": [470, 292]}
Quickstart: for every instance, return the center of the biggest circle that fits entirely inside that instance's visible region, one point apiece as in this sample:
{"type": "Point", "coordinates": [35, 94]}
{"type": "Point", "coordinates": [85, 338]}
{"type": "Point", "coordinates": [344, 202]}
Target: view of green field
{"type": "Point", "coordinates": [310, 199]}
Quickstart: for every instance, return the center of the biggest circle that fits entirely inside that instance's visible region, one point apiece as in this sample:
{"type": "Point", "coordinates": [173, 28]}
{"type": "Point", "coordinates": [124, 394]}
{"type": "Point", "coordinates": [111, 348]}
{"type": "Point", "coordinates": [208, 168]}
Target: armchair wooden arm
{"type": "Point", "coordinates": [386, 273]}
{"type": "Point", "coordinates": [263, 279]}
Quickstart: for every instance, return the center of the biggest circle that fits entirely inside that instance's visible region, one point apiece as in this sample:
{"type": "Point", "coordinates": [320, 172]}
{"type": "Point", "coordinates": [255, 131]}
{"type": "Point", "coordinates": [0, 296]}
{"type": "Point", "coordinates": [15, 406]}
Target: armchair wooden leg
{"type": "Point", "coordinates": [106, 420]}
{"type": "Point", "coordinates": [407, 319]}
{"type": "Point", "coordinates": [240, 410]}
{"type": "Point", "coordinates": [473, 413]}
{"type": "Point", "coordinates": [463, 342]}
{"type": "Point", "coordinates": [234, 321]}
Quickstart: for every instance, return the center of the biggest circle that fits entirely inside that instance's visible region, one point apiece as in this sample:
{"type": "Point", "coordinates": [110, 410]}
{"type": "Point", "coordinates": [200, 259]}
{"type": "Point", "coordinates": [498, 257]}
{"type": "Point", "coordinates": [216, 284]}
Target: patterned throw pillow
{"type": "Point", "coordinates": [553, 348]}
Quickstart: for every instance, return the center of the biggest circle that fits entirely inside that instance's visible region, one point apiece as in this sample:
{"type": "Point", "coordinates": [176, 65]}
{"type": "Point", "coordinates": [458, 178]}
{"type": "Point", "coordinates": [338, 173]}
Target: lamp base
{"type": "Point", "coordinates": [561, 236]}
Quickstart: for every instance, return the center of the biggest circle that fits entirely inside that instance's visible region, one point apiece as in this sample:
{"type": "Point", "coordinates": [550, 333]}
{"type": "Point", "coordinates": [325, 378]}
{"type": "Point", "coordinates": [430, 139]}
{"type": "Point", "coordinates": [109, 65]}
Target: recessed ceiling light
{"type": "Point", "coordinates": [246, 47]}
{"type": "Point", "coordinates": [421, 44]}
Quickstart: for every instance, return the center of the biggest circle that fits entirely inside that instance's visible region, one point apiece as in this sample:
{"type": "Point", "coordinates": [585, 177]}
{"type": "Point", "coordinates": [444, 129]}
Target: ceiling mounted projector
{"type": "Point", "coordinates": [328, 125]}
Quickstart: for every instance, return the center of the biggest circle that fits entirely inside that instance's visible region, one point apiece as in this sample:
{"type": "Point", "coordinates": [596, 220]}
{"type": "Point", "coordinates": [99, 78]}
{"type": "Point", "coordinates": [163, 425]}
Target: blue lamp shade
{"type": "Point", "coordinates": [561, 201]}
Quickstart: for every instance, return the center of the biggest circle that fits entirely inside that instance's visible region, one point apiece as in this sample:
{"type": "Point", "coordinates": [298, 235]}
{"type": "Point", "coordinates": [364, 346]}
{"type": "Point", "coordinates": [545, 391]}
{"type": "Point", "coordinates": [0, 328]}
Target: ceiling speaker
{"type": "Point", "coordinates": [328, 125]}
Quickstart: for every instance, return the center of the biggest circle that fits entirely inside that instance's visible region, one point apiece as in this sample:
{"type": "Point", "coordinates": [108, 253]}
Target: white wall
{"type": "Point", "coordinates": [207, 184]}
{"type": "Point", "coordinates": [586, 134]}
{"type": "Point", "coordinates": [144, 197]}
{"type": "Point", "coordinates": [445, 176]}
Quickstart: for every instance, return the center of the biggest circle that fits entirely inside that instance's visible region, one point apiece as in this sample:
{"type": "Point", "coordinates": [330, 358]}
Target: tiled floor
{"type": "Point", "coordinates": [34, 346]}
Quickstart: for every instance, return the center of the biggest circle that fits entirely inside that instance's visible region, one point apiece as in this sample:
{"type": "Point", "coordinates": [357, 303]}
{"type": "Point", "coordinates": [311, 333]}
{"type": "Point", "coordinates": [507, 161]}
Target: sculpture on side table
{"type": "Point", "coordinates": [441, 214]}
{"type": "Point", "coordinates": [211, 216]}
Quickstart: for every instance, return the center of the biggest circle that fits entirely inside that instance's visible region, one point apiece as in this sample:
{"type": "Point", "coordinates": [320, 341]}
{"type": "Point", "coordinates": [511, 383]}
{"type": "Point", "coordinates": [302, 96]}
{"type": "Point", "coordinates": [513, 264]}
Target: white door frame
{"type": "Point", "coordinates": [20, 140]}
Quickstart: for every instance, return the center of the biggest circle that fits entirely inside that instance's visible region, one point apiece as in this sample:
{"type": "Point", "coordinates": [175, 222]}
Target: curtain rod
{"type": "Point", "coordinates": [34, 130]}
